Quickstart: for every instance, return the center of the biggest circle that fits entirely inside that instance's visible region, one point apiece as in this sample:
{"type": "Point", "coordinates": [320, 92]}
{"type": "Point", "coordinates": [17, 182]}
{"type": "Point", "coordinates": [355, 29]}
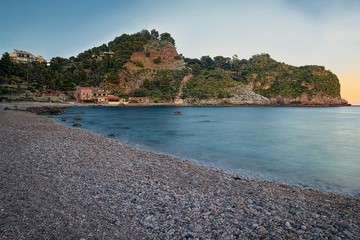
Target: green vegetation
{"type": "Point", "coordinates": [164, 86]}
{"type": "Point", "coordinates": [209, 84]}
{"type": "Point", "coordinates": [109, 66]}
{"type": "Point", "coordinates": [157, 60]}
{"type": "Point", "coordinates": [92, 67]}
{"type": "Point", "coordinates": [268, 77]}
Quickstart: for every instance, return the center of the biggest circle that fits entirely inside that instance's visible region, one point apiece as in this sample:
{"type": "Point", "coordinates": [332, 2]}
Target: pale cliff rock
{"type": "Point", "coordinates": [305, 100]}
{"type": "Point", "coordinates": [241, 96]}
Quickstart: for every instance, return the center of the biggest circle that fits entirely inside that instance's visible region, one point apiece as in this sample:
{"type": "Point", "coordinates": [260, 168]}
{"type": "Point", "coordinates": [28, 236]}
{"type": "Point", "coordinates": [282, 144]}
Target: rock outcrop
{"type": "Point", "coordinates": [304, 100]}
{"type": "Point", "coordinates": [144, 65]}
{"type": "Point", "coordinates": [156, 55]}
{"type": "Point", "coordinates": [240, 97]}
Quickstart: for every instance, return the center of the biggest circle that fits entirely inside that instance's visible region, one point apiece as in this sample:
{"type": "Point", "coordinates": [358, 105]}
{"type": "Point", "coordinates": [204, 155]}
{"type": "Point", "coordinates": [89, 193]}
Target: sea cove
{"type": "Point", "coordinates": [315, 147]}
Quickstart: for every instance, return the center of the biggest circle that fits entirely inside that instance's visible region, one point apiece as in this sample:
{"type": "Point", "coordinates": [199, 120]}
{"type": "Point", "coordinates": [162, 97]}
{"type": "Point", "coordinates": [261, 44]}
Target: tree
{"type": "Point", "coordinates": [145, 35]}
{"type": "Point", "coordinates": [207, 62]}
{"type": "Point", "coordinates": [6, 67]}
{"type": "Point", "coordinates": [154, 34]}
{"type": "Point", "coordinates": [57, 63]}
{"type": "Point", "coordinates": [140, 92]}
{"type": "Point", "coordinates": [167, 37]}
{"type": "Point", "coordinates": [191, 61]}
{"type": "Point", "coordinates": [196, 69]}
{"type": "Point", "coordinates": [157, 60]}
{"type": "Point", "coordinates": [222, 62]}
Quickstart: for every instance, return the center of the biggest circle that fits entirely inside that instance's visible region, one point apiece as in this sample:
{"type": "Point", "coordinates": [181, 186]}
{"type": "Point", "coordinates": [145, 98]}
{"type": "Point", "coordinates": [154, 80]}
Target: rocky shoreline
{"type": "Point", "coordinates": [228, 102]}
{"type": "Point", "coordinates": [64, 183]}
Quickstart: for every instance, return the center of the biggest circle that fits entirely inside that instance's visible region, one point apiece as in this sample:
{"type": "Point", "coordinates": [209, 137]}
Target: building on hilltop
{"type": "Point", "coordinates": [104, 53]}
{"type": "Point", "coordinates": [40, 59]}
{"type": "Point", "coordinates": [22, 56]}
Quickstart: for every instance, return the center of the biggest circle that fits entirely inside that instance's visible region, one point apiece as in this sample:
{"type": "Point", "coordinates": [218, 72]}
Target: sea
{"type": "Point", "coordinates": [313, 147]}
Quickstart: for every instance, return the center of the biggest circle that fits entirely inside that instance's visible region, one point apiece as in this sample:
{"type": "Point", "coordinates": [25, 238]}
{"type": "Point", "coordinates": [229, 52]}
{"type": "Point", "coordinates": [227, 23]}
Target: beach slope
{"type": "Point", "coordinates": [65, 183]}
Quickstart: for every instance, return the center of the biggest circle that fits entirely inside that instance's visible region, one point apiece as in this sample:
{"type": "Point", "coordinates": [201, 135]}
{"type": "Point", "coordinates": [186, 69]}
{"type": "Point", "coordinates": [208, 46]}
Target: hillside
{"type": "Point", "coordinates": [147, 64]}
{"type": "Point", "coordinates": [280, 83]}
{"type": "Point", "coordinates": [286, 84]}
{"type": "Point", "coordinates": [216, 87]}
{"type": "Point", "coordinates": [151, 64]}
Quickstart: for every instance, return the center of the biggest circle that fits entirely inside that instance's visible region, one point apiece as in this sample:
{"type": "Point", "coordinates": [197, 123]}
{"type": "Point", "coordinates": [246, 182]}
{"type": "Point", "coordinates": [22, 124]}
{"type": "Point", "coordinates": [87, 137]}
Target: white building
{"type": "Point", "coordinates": [22, 56]}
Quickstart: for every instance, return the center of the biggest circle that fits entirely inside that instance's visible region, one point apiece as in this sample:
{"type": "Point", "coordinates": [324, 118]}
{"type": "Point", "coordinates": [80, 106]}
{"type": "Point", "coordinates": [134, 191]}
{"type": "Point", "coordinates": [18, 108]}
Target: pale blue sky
{"type": "Point", "coordinates": [298, 32]}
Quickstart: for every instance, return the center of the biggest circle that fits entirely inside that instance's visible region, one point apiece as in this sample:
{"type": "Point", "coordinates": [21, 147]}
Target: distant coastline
{"type": "Point", "coordinates": [23, 105]}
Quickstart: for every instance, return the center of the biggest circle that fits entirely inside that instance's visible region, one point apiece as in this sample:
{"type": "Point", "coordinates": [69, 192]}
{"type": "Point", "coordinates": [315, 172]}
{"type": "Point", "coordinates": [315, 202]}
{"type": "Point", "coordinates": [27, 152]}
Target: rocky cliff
{"type": "Point", "coordinates": [145, 65]}
{"type": "Point", "coordinates": [304, 100]}
{"type": "Point", "coordinates": [239, 97]}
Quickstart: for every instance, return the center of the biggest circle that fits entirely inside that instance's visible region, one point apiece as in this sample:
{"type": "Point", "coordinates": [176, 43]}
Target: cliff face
{"type": "Point", "coordinates": [145, 65]}
{"type": "Point", "coordinates": [157, 55]}
{"type": "Point", "coordinates": [304, 100]}
{"type": "Point", "coordinates": [240, 96]}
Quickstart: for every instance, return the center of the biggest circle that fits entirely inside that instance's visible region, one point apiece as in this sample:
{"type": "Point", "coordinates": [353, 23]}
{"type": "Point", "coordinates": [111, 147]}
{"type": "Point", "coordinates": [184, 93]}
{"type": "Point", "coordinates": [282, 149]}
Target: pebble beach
{"type": "Point", "coordinates": [58, 182]}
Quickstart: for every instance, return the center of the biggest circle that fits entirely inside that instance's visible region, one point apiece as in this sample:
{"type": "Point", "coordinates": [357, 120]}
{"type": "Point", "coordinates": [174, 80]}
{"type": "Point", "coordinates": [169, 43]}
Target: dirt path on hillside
{"type": "Point", "coordinates": [183, 84]}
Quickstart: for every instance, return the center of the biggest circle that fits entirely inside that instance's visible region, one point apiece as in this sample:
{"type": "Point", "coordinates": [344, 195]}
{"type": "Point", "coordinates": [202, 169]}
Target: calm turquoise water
{"type": "Point", "coordinates": [315, 147]}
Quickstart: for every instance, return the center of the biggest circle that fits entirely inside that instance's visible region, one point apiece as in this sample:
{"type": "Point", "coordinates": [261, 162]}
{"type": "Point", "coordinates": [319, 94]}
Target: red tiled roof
{"type": "Point", "coordinates": [112, 97]}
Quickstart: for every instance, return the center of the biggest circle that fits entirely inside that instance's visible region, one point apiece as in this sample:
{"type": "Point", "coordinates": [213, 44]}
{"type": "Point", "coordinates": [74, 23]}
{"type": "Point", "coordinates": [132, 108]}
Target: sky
{"type": "Point", "coordinates": [297, 32]}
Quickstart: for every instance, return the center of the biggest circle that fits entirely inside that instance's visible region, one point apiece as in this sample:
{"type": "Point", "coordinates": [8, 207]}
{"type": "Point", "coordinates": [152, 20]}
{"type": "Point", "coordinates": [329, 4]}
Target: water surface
{"type": "Point", "coordinates": [311, 146]}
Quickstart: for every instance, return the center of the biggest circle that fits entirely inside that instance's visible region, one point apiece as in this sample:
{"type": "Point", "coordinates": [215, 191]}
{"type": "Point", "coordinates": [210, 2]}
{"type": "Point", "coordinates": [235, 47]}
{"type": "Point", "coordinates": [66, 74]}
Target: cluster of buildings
{"type": "Point", "coordinates": [88, 94]}
{"type": "Point", "coordinates": [22, 56]}
{"type": "Point", "coordinates": [81, 94]}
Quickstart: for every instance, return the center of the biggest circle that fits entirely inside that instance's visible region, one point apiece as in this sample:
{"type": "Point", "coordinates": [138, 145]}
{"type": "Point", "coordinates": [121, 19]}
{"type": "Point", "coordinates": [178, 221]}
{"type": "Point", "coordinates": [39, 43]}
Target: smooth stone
{"type": "Point", "coordinates": [288, 225]}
